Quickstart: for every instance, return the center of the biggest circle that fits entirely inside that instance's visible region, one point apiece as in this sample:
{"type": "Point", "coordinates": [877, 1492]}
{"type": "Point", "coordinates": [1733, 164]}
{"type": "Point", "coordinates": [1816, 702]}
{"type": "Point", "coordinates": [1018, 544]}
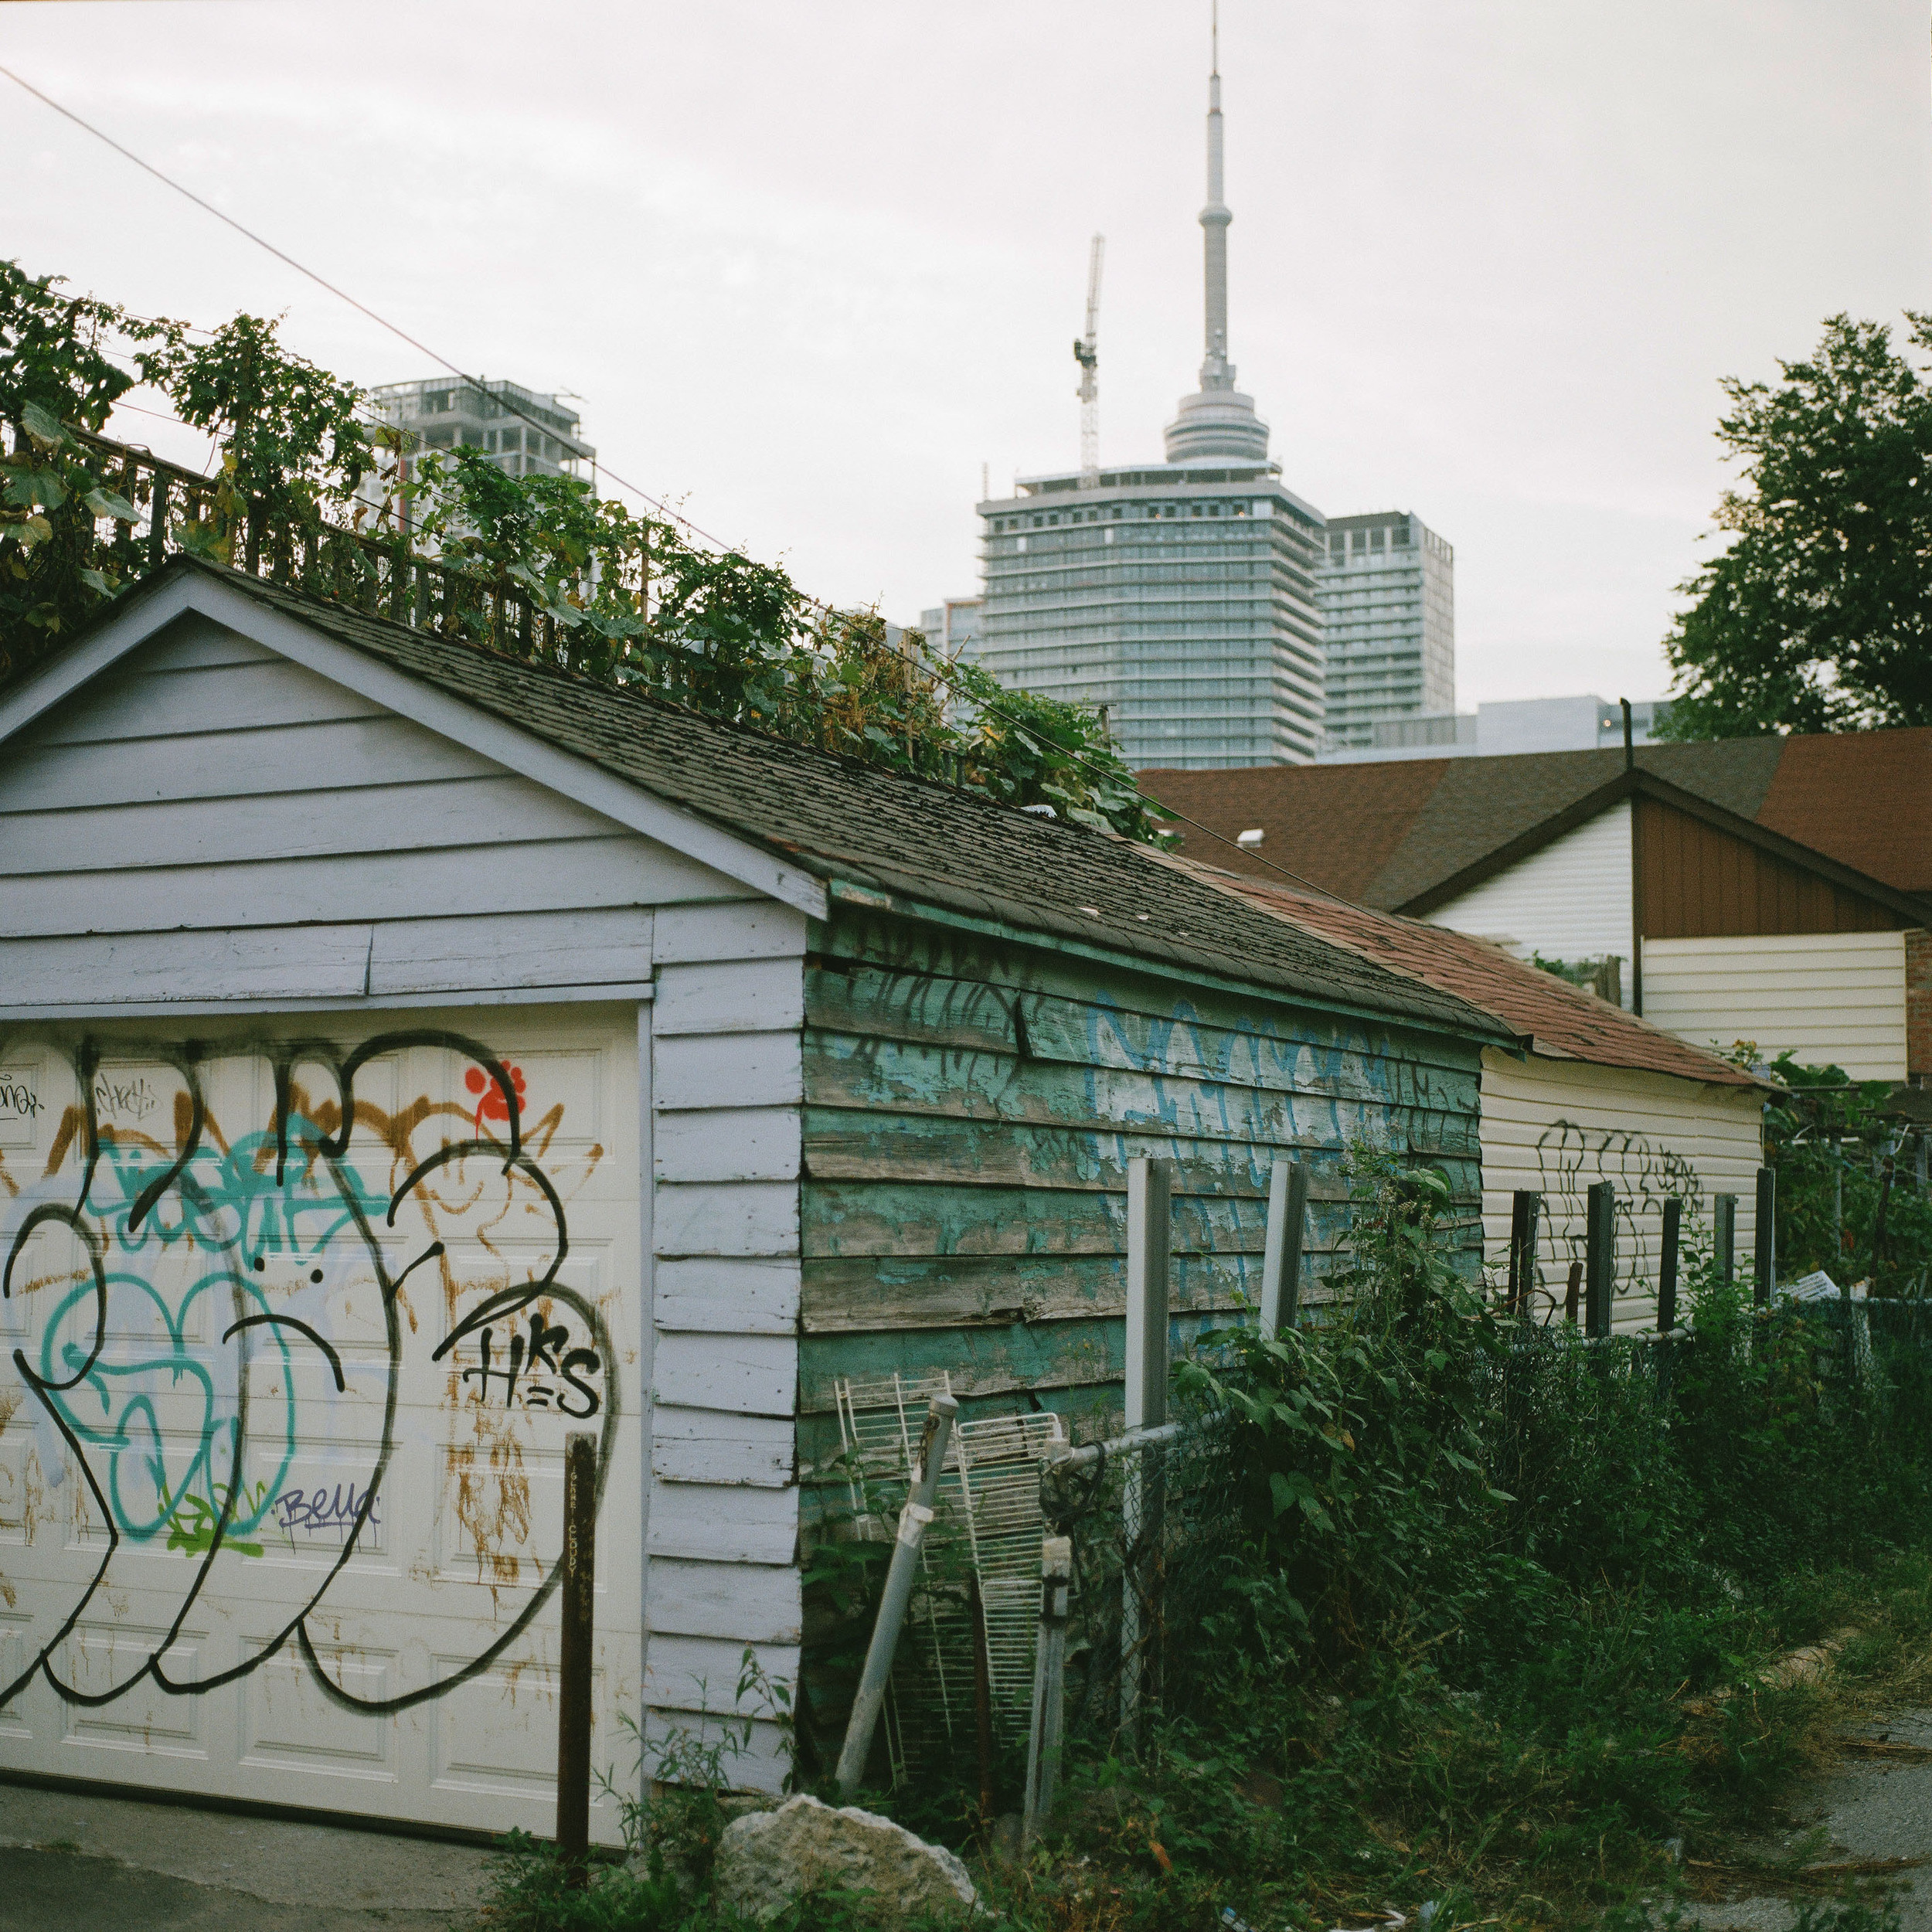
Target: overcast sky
{"type": "Point", "coordinates": [809, 263]}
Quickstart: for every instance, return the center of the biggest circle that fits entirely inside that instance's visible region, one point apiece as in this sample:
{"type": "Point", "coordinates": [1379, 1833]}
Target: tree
{"type": "Point", "coordinates": [1818, 616]}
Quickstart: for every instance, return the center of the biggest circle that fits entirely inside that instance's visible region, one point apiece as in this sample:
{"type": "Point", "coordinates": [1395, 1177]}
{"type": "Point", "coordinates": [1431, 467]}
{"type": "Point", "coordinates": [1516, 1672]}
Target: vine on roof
{"type": "Point", "coordinates": [628, 600]}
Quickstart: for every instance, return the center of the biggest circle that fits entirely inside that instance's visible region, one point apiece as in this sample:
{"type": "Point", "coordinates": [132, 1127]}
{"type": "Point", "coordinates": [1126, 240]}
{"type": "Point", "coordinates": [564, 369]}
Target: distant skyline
{"type": "Point", "coordinates": [807, 268]}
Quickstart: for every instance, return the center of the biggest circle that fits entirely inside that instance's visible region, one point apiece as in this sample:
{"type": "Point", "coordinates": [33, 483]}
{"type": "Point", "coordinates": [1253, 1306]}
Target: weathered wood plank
{"type": "Point", "coordinates": [729, 1143]}
{"type": "Point", "coordinates": [730, 996]}
{"type": "Point", "coordinates": [602, 946]}
{"type": "Point", "coordinates": [881, 964]}
{"type": "Point", "coordinates": [701, 1673]}
{"type": "Point", "coordinates": [711, 1293]}
{"type": "Point", "coordinates": [747, 929]}
{"type": "Point", "coordinates": [289, 823]}
{"type": "Point", "coordinates": [728, 1069]}
{"type": "Point", "coordinates": [906, 1076]}
{"type": "Point", "coordinates": [576, 873]}
{"type": "Point", "coordinates": [351, 752]}
{"type": "Point", "coordinates": [850, 1144]}
{"type": "Point", "coordinates": [128, 705]}
{"type": "Point", "coordinates": [746, 1375]}
{"type": "Point", "coordinates": [992, 1290]}
{"type": "Point", "coordinates": [726, 1217]}
{"type": "Point", "coordinates": [303, 962]}
{"type": "Point", "coordinates": [852, 1218]}
{"type": "Point", "coordinates": [194, 643]}
{"type": "Point", "coordinates": [759, 1762]}
{"type": "Point", "coordinates": [722, 1525]}
{"type": "Point", "coordinates": [718, 1446]}
{"type": "Point", "coordinates": [752, 1603]}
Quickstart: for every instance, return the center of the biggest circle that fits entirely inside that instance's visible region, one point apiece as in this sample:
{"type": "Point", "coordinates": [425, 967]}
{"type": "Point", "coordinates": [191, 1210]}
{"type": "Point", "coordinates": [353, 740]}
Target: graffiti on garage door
{"type": "Point", "coordinates": [219, 1327]}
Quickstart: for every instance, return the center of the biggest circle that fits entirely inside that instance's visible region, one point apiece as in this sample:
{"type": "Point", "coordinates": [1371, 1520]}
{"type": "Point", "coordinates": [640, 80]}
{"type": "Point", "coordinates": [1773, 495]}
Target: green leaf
{"type": "Point", "coordinates": [36, 489]}
{"type": "Point", "coordinates": [95, 581]}
{"type": "Point", "coordinates": [42, 425]}
{"type": "Point", "coordinates": [105, 503]}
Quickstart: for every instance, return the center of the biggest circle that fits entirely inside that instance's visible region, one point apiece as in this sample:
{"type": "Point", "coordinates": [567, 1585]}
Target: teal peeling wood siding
{"type": "Point", "coordinates": [970, 1107]}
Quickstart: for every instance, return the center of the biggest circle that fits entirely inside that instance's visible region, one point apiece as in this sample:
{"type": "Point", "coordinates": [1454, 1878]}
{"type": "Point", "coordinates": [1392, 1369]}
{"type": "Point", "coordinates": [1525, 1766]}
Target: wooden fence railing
{"type": "Point", "coordinates": [379, 572]}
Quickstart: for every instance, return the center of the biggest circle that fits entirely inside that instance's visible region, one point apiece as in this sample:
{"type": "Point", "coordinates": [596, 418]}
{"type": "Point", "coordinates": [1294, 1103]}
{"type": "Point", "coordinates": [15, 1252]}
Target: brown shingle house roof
{"type": "Point", "coordinates": [1561, 1021]}
{"type": "Point", "coordinates": [1391, 834]}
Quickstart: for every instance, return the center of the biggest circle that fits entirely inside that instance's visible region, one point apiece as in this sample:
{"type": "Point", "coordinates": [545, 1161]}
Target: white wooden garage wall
{"type": "Point", "coordinates": [210, 826]}
{"type": "Point", "coordinates": [726, 1093]}
{"type": "Point", "coordinates": [1559, 1126]}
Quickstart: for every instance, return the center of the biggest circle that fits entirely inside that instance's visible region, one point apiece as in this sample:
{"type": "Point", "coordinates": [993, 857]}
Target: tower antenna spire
{"type": "Point", "coordinates": [1217, 421]}
{"type": "Point", "coordinates": [1087, 353]}
{"type": "Point", "coordinates": [1215, 217]}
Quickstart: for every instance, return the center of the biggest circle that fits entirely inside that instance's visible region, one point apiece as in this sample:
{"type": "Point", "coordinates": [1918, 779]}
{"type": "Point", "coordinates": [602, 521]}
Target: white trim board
{"type": "Point", "coordinates": [565, 772]}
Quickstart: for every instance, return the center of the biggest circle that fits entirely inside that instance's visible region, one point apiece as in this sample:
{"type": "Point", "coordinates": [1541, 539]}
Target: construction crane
{"type": "Point", "coordinates": [1087, 353]}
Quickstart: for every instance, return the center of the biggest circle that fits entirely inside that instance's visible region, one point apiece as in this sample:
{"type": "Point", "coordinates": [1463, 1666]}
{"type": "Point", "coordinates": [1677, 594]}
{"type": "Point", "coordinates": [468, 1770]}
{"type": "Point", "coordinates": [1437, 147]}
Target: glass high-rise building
{"type": "Point", "coordinates": [1181, 595]}
{"type": "Point", "coordinates": [1387, 585]}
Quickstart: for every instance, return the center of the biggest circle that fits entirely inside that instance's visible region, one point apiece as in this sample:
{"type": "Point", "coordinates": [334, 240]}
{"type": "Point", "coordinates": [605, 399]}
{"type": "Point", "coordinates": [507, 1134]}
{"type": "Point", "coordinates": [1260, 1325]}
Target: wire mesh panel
{"type": "Point", "coordinates": [1170, 1540]}
{"type": "Point", "coordinates": [982, 1550]}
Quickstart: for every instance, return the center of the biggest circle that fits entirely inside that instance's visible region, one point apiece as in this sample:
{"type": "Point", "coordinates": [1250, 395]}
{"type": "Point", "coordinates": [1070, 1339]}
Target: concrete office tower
{"type": "Point", "coordinates": [1181, 595]}
{"type": "Point", "coordinates": [538, 438]}
{"type": "Point", "coordinates": [1388, 591]}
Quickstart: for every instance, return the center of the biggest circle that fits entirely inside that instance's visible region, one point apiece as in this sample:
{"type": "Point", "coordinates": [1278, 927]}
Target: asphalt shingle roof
{"type": "Point", "coordinates": [1388, 833]}
{"type": "Point", "coordinates": [1561, 1021]}
{"type": "Point", "coordinates": [923, 841]}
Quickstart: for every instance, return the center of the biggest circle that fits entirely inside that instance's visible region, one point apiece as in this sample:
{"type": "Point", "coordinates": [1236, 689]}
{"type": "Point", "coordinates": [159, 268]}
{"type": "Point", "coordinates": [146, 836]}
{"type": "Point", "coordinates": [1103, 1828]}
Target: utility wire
{"type": "Point", "coordinates": [664, 509]}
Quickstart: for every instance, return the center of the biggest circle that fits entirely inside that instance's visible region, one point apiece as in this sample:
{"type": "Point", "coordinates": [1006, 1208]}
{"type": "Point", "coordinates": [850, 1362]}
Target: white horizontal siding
{"type": "Point", "coordinates": [1571, 900]}
{"type": "Point", "coordinates": [1834, 999]}
{"type": "Point", "coordinates": [726, 1132]}
{"type": "Point", "coordinates": [210, 822]}
{"type": "Point", "coordinates": [1557, 1127]}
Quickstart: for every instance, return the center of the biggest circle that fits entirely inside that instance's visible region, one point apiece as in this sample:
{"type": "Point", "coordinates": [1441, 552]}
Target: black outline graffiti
{"type": "Point", "coordinates": [331, 1149]}
{"type": "Point", "coordinates": [1645, 1173]}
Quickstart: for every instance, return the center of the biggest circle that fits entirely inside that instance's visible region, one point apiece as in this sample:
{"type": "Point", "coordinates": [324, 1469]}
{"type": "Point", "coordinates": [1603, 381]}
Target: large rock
{"type": "Point", "coordinates": [765, 1861]}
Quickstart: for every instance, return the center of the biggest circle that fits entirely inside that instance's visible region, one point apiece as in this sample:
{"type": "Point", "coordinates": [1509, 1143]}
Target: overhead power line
{"type": "Point", "coordinates": [644, 496]}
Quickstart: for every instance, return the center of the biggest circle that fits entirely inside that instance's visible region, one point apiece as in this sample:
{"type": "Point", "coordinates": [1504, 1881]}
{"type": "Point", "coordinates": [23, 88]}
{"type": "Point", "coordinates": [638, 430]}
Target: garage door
{"type": "Point", "coordinates": [295, 1325]}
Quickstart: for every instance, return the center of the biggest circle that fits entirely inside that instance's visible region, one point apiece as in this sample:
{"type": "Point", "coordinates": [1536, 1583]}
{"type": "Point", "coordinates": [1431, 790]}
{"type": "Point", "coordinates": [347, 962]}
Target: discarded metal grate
{"type": "Point", "coordinates": [986, 1530]}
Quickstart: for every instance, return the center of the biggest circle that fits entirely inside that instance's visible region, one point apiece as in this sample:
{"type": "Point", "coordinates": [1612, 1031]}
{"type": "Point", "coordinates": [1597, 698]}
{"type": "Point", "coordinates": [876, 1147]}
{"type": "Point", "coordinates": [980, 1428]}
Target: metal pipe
{"type": "Point", "coordinates": [941, 1412]}
{"type": "Point", "coordinates": [1063, 1456]}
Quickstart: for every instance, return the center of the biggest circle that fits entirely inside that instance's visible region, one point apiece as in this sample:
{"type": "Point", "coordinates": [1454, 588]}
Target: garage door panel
{"type": "Point", "coordinates": [360, 1291]}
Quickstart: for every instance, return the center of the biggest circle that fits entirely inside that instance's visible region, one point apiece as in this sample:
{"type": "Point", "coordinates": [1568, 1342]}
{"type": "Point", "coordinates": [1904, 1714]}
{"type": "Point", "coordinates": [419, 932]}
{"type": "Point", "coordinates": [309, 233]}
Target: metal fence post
{"type": "Point", "coordinates": [1526, 1209]}
{"type": "Point", "coordinates": [1049, 1684]}
{"type": "Point", "coordinates": [1281, 1265]}
{"type": "Point", "coordinates": [574, 1655]}
{"type": "Point", "coordinates": [1600, 1257]}
{"type": "Point", "coordinates": [941, 1413]}
{"type": "Point", "coordinates": [1764, 1272]}
{"type": "Point", "coordinates": [1149, 1245]}
{"type": "Point", "coordinates": [1724, 1235]}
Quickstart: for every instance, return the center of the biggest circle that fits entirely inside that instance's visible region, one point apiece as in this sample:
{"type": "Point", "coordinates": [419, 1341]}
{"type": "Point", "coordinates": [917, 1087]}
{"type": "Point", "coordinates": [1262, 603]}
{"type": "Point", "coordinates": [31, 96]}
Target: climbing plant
{"type": "Point", "coordinates": [624, 599]}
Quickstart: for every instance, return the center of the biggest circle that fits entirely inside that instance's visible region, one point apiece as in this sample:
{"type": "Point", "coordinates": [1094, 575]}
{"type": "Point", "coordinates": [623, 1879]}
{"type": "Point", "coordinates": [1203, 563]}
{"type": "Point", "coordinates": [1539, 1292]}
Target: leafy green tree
{"type": "Point", "coordinates": [57, 373]}
{"type": "Point", "coordinates": [1818, 615]}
